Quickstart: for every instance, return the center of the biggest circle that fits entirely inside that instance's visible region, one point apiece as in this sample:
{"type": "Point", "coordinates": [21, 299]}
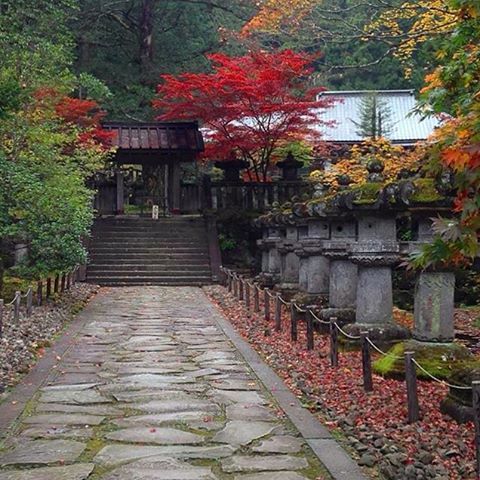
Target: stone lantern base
{"type": "Point", "coordinates": [344, 316]}
{"type": "Point", "coordinates": [384, 334]}
{"type": "Point", "coordinates": [268, 280]}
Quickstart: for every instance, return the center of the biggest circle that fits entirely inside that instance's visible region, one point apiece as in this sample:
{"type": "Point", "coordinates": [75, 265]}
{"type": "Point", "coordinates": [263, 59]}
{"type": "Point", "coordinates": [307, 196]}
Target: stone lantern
{"type": "Point", "coordinates": [375, 253]}
{"type": "Point", "coordinates": [232, 169]}
{"type": "Point", "coordinates": [343, 272]}
{"type": "Point", "coordinates": [434, 297]}
{"type": "Point", "coordinates": [314, 267]}
{"type": "Point", "coordinates": [290, 167]}
{"type": "Point", "coordinates": [270, 255]}
{"type": "Point", "coordinates": [289, 261]}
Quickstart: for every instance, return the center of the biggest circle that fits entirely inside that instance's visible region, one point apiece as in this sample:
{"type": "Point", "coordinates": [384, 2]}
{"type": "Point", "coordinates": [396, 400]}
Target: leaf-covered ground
{"type": "Point", "coordinates": [23, 342]}
{"type": "Point", "coordinates": [372, 425]}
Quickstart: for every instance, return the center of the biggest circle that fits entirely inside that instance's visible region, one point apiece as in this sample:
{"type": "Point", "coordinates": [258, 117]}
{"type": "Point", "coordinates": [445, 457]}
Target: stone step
{"type": "Point", "coordinates": [101, 261]}
{"type": "Point", "coordinates": [177, 242]}
{"type": "Point", "coordinates": [145, 280]}
{"type": "Point", "coordinates": [142, 251]}
{"type": "Point", "coordinates": [130, 257]}
{"type": "Point", "coordinates": [152, 250]}
{"type": "Point", "coordinates": [161, 283]}
{"type": "Point", "coordinates": [147, 269]}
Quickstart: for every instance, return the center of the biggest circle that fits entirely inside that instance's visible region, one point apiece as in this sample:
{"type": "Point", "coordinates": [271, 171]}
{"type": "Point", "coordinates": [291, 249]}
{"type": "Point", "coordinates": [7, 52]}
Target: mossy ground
{"type": "Point", "coordinates": [439, 359]}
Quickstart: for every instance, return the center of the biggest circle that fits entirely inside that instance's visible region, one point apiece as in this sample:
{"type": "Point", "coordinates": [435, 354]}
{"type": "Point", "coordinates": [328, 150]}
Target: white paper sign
{"type": "Point", "coordinates": [155, 211]}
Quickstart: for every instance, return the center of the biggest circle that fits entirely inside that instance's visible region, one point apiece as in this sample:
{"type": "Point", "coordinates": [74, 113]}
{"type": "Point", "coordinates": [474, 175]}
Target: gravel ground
{"type": "Point", "coordinates": [23, 342]}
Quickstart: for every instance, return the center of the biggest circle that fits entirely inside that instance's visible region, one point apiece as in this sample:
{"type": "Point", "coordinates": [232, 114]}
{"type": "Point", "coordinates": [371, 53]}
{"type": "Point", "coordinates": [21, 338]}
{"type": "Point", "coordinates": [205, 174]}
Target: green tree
{"type": "Point", "coordinates": [375, 117]}
{"type": "Point", "coordinates": [128, 44]}
{"type": "Point", "coordinates": [50, 142]}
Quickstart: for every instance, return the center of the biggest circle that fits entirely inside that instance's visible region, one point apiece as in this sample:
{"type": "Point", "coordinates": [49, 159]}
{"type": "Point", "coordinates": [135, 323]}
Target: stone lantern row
{"type": "Point", "coordinates": [345, 263]}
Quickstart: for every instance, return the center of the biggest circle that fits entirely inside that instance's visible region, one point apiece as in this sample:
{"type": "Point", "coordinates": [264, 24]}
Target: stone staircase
{"type": "Point", "coordinates": [142, 251]}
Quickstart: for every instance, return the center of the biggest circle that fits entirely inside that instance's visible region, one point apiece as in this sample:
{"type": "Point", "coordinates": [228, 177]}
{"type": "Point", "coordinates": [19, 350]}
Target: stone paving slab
{"type": "Point", "coordinates": [161, 393]}
{"type": "Point", "coordinates": [72, 472]}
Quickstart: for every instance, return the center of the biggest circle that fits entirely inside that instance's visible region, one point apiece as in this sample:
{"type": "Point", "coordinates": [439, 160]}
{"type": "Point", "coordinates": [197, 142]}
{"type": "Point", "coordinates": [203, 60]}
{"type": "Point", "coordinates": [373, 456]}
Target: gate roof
{"type": "Point", "coordinates": [158, 137]}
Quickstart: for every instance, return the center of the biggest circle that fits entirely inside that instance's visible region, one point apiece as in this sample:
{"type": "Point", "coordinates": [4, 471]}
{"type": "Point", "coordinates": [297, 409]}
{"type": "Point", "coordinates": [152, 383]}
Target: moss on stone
{"type": "Point", "coordinates": [425, 191]}
{"type": "Point", "coordinates": [440, 359]}
{"type": "Point", "coordinates": [367, 193]}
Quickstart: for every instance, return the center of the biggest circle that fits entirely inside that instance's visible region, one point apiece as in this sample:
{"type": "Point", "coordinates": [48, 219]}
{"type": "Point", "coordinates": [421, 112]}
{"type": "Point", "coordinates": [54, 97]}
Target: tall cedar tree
{"type": "Point", "coordinates": [248, 106]}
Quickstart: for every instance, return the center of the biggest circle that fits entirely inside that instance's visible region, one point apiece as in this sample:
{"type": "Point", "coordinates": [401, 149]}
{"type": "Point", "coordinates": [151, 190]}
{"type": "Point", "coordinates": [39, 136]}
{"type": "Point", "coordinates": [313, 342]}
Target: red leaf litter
{"type": "Point", "coordinates": [371, 424]}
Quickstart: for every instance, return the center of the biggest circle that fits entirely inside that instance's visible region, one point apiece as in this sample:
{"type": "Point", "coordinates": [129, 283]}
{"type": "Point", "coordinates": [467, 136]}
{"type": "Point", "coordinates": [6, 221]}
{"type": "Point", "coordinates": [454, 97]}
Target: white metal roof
{"type": "Point", "coordinates": [407, 127]}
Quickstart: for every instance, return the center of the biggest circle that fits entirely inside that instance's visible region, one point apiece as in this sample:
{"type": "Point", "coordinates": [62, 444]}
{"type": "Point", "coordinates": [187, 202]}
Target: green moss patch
{"type": "Point", "coordinates": [440, 359]}
{"type": "Point", "coordinates": [425, 191]}
{"type": "Point", "coordinates": [367, 193]}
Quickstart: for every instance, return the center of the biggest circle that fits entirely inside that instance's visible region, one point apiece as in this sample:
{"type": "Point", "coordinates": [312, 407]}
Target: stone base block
{"type": "Point", "coordinates": [287, 287]}
{"type": "Point", "coordinates": [303, 298]}
{"type": "Point", "coordinates": [441, 359]}
{"type": "Point", "coordinates": [268, 280]}
{"type": "Point", "coordinates": [383, 334]}
{"type": "Point", "coordinates": [458, 403]}
{"type": "Point", "coordinates": [344, 316]}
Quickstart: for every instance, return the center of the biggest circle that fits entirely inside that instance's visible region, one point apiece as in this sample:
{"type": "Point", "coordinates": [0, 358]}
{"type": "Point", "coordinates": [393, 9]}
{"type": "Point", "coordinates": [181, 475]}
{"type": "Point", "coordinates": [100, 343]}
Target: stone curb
{"type": "Point", "coordinates": [332, 455]}
{"type": "Point", "coordinates": [14, 404]}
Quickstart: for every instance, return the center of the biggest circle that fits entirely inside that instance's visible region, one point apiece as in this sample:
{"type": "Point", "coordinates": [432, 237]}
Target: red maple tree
{"type": "Point", "coordinates": [248, 106]}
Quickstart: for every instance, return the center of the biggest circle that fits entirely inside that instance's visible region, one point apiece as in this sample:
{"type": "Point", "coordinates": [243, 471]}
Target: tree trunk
{"type": "Point", "coordinates": [146, 37]}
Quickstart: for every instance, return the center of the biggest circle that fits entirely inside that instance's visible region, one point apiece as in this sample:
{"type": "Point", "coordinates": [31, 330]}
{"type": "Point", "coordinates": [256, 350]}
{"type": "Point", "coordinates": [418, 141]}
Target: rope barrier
{"type": "Point", "coordinates": [345, 334]}
{"type": "Point", "coordinates": [283, 301]}
{"type": "Point", "coordinates": [318, 319]}
{"type": "Point", "coordinates": [381, 352]}
{"type": "Point", "coordinates": [299, 309]}
{"type": "Point", "coordinates": [14, 300]}
{"type": "Point", "coordinates": [28, 293]}
{"type": "Point", "coordinates": [438, 380]}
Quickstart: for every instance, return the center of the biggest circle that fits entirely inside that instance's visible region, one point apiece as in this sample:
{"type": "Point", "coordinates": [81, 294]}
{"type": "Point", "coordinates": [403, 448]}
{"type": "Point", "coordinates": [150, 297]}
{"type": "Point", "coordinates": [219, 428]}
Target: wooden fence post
{"type": "Point", "coordinates": [412, 394]}
{"type": "Point", "coordinates": [266, 300]}
{"type": "Point", "coordinates": [293, 322]}
{"type": "Point", "coordinates": [56, 285]}
{"type": "Point", "coordinates": [229, 281]}
{"type": "Point", "coordinates": [310, 338]}
{"type": "Point", "coordinates": [247, 296]}
{"type": "Point", "coordinates": [241, 289]}
{"type": "Point", "coordinates": [366, 363]}
{"type": "Point", "coordinates": [235, 286]}
{"type": "Point", "coordinates": [476, 421]}
{"type": "Point", "coordinates": [29, 308]}
{"type": "Point", "coordinates": [62, 287]}
{"type": "Point", "coordinates": [333, 344]}
{"type": "Point", "coordinates": [1, 317]}
{"type": "Point", "coordinates": [48, 293]}
{"type": "Point", "coordinates": [16, 306]}
{"type": "Point", "coordinates": [256, 298]}
{"type": "Point", "coordinates": [69, 280]}
{"type": "Point", "coordinates": [39, 293]}
{"type": "Point", "coordinates": [278, 313]}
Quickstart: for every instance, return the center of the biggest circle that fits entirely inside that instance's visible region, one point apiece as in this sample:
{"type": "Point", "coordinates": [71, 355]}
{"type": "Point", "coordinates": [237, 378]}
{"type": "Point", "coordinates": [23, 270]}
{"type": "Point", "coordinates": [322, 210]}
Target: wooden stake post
{"type": "Point", "coordinates": [366, 363]}
{"type": "Point", "coordinates": [412, 395]}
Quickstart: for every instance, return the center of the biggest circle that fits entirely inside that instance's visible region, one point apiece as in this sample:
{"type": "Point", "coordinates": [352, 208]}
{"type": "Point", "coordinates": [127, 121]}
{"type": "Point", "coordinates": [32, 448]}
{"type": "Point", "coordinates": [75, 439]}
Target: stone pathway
{"type": "Point", "coordinates": [152, 389]}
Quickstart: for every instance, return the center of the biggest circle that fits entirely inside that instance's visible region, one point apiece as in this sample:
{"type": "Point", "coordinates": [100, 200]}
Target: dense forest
{"type": "Point", "coordinates": [128, 44]}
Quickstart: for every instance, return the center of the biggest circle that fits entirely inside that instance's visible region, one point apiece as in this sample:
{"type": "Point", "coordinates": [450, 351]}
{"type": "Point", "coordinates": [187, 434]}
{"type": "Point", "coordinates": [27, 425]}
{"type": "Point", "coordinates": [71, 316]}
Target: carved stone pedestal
{"type": "Point", "coordinates": [289, 261]}
{"type": "Point", "coordinates": [375, 253]}
{"type": "Point", "coordinates": [434, 304]}
{"type": "Point", "coordinates": [270, 257]}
